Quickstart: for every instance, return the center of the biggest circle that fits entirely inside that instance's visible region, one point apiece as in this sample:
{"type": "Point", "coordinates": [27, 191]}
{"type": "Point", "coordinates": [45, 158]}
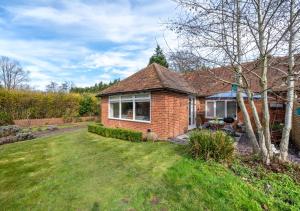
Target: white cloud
{"type": "Point", "coordinates": [67, 54]}
{"type": "Point", "coordinates": [114, 21]}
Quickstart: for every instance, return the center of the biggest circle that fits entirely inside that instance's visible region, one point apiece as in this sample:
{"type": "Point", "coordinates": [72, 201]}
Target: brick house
{"type": "Point", "coordinates": [169, 103]}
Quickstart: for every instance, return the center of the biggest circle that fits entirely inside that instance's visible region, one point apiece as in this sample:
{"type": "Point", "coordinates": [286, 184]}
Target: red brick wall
{"type": "Point", "coordinates": [169, 115]}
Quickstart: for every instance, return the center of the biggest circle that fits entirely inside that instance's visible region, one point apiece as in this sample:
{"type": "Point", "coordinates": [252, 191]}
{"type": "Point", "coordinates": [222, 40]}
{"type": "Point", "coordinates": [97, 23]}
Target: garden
{"type": "Point", "coordinates": [81, 170]}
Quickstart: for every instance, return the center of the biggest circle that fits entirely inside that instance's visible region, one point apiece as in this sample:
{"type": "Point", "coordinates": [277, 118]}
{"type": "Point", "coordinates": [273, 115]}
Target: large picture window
{"type": "Point", "coordinates": [220, 109]}
{"type": "Point", "coordinates": [130, 107]}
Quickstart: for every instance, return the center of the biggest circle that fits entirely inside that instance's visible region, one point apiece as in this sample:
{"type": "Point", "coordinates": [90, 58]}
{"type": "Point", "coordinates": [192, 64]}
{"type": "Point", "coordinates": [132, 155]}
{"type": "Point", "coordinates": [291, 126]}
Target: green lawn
{"type": "Point", "coordinates": [84, 171]}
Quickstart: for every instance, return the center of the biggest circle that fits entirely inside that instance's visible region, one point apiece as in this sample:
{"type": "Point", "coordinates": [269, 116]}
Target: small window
{"type": "Point", "coordinates": [220, 109]}
{"type": "Point", "coordinates": [142, 111]}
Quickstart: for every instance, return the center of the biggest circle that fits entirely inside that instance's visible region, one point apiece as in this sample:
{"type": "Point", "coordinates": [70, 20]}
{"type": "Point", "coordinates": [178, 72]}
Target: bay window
{"type": "Point", "coordinates": [220, 109]}
{"type": "Point", "coordinates": [134, 107]}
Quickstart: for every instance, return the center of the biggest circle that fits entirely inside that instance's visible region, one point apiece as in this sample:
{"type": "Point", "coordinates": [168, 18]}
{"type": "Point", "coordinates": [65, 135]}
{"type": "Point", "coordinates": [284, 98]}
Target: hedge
{"type": "Point", "coordinates": [118, 133]}
{"type": "Point", "coordinates": [21, 104]}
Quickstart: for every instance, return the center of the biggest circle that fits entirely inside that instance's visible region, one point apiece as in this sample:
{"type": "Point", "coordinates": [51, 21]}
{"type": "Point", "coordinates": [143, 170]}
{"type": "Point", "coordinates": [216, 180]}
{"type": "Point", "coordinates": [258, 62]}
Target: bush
{"type": "Point", "coordinates": [5, 119]}
{"type": "Point", "coordinates": [204, 144]}
{"type": "Point", "coordinates": [115, 132]}
{"type": "Point", "coordinates": [87, 105]}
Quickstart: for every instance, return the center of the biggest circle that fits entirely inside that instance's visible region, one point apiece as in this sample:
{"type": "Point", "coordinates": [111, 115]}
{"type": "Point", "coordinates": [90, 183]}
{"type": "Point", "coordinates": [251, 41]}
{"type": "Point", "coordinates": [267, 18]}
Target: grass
{"type": "Point", "coordinates": [84, 171]}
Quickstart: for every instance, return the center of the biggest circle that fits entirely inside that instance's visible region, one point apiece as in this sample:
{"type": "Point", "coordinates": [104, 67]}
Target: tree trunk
{"type": "Point", "coordinates": [284, 144]}
{"type": "Point", "coordinates": [249, 129]}
{"type": "Point", "coordinates": [265, 105]}
{"type": "Point", "coordinates": [264, 80]}
{"type": "Point", "coordinates": [260, 130]}
{"type": "Point", "coordinates": [240, 99]}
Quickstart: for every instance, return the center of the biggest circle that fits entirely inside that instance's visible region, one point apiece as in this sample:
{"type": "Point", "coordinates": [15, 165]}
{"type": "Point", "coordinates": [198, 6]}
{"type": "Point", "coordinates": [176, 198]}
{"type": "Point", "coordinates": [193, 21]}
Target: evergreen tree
{"type": "Point", "coordinates": [159, 57]}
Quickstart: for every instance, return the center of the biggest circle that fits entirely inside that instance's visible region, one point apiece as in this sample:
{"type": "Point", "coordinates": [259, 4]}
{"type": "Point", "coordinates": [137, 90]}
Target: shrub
{"type": "Point", "coordinates": [5, 119]}
{"type": "Point", "coordinates": [87, 105]}
{"type": "Point", "coordinates": [204, 144]}
{"type": "Point", "coordinates": [115, 132]}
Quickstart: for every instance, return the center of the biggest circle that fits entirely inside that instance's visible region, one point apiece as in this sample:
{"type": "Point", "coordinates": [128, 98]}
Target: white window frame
{"type": "Point", "coordinates": [118, 99]}
{"type": "Point", "coordinates": [215, 106]}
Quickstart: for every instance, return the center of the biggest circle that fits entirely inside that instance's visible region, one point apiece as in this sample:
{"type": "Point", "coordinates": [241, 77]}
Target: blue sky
{"type": "Point", "coordinates": [84, 41]}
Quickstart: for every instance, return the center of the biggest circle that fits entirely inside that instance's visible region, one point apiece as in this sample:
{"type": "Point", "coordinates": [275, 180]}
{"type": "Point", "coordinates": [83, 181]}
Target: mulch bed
{"type": "Point", "coordinates": [57, 131]}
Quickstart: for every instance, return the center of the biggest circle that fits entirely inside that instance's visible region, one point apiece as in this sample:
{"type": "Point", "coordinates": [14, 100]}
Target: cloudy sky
{"type": "Point", "coordinates": [84, 41]}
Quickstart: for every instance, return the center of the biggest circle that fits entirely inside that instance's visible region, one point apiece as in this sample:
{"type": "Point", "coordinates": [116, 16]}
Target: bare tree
{"type": "Point", "coordinates": [185, 61]}
{"type": "Point", "coordinates": [231, 32]}
{"type": "Point", "coordinates": [12, 75]}
{"type": "Point", "coordinates": [216, 29]}
{"type": "Point", "coordinates": [291, 77]}
{"type": "Point", "coordinates": [66, 86]}
{"type": "Point", "coordinates": [52, 87]}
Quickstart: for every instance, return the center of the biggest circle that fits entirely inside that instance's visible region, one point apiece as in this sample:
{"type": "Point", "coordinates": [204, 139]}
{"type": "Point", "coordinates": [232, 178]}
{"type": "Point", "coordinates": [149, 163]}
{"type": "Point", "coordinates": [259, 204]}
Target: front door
{"type": "Point", "coordinates": [192, 112]}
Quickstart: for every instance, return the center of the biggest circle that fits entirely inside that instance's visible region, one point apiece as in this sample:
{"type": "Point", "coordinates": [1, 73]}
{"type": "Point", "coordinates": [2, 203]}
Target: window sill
{"type": "Point", "coordinates": [130, 120]}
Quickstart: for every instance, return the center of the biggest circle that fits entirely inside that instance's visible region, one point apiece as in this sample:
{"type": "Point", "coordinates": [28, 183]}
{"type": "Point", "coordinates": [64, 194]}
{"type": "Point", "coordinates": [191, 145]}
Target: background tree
{"type": "Point", "coordinates": [98, 87]}
{"type": "Point", "coordinates": [52, 87]}
{"type": "Point", "coordinates": [66, 86]}
{"type": "Point", "coordinates": [185, 61]}
{"type": "Point", "coordinates": [12, 75]}
{"type": "Point", "coordinates": [159, 57]}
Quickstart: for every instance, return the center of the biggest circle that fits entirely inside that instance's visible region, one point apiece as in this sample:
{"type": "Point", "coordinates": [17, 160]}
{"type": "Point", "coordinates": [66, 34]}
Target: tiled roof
{"type": "Point", "coordinates": [153, 77]}
{"type": "Point", "coordinates": [206, 82]}
{"type": "Point", "coordinates": [202, 82]}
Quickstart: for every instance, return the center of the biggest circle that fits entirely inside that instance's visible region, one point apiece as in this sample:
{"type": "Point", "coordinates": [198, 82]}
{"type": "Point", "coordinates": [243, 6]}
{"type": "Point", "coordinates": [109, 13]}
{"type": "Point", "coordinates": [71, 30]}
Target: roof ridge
{"type": "Point", "coordinates": [159, 74]}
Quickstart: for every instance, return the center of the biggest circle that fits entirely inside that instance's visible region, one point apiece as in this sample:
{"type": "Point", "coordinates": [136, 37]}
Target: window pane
{"type": "Point", "coordinates": [220, 109]}
{"type": "Point", "coordinates": [127, 97]}
{"type": "Point", "coordinates": [210, 109]}
{"type": "Point", "coordinates": [231, 109]}
{"type": "Point", "coordinates": [114, 98]}
{"type": "Point", "coordinates": [138, 96]}
{"type": "Point", "coordinates": [127, 110]}
{"type": "Point", "coordinates": [114, 110]}
{"type": "Point", "coordinates": [142, 111]}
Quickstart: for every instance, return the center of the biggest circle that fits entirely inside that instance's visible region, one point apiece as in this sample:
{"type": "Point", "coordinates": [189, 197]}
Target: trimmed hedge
{"type": "Point", "coordinates": [119, 133]}
{"type": "Point", "coordinates": [19, 104]}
